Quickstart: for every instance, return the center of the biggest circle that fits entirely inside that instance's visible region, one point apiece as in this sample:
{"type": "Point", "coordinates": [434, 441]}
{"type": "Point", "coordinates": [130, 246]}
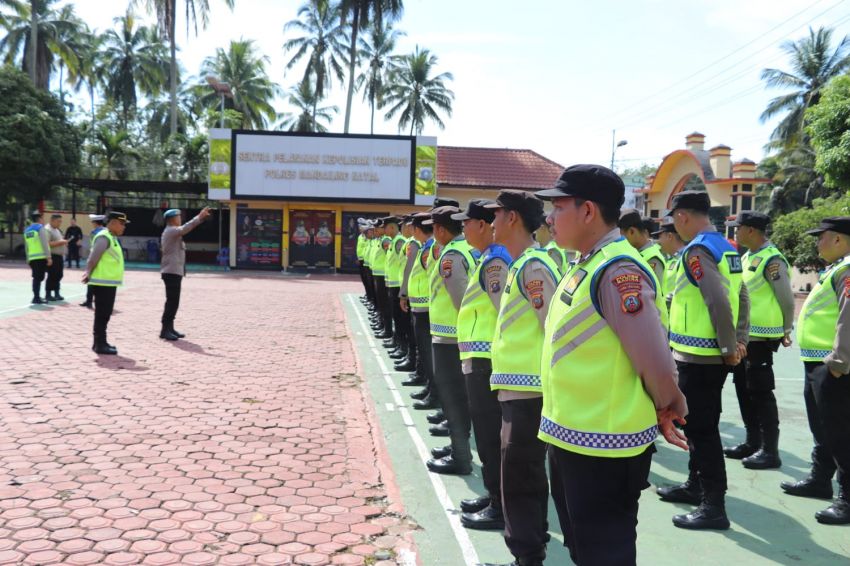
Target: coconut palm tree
{"type": "Point", "coordinates": [137, 60]}
{"type": "Point", "coordinates": [197, 11]}
{"type": "Point", "coordinates": [89, 73]}
{"type": "Point", "coordinates": [323, 43]}
{"type": "Point", "coordinates": [363, 14]}
{"type": "Point", "coordinates": [415, 96]}
{"type": "Point", "coordinates": [308, 116]}
{"type": "Point", "coordinates": [813, 63]}
{"type": "Point", "coordinates": [54, 28]}
{"type": "Point", "coordinates": [241, 67]}
{"type": "Point", "coordinates": [114, 154]}
{"type": "Point", "coordinates": [377, 51]}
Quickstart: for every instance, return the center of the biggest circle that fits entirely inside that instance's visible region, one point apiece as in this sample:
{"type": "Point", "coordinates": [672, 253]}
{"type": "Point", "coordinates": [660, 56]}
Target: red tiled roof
{"type": "Point", "coordinates": [495, 167]}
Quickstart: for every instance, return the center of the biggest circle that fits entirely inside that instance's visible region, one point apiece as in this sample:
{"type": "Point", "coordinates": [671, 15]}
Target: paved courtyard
{"type": "Point", "coordinates": [275, 434]}
{"type": "Point", "coordinates": [249, 442]}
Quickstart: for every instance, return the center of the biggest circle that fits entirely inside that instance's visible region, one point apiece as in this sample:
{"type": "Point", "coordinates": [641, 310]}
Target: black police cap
{"type": "Point", "coordinates": [477, 210]}
{"type": "Point", "coordinates": [840, 224]}
{"type": "Point", "coordinates": [115, 215]}
{"type": "Point", "coordinates": [419, 218]}
{"type": "Point", "coordinates": [751, 218]}
{"type": "Point", "coordinates": [589, 182]}
{"type": "Point", "coordinates": [691, 200]}
{"type": "Point", "coordinates": [443, 201]}
{"type": "Point", "coordinates": [443, 216]}
{"type": "Point", "coordinates": [524, 203]}
{"type": "Point", "coordinates": [667, 225]}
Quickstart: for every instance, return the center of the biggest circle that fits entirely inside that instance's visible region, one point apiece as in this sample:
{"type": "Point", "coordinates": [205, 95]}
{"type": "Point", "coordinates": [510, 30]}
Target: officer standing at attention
{"type": "Point", "coordinates": [767, 276]}
{"type": "Point", "coordinates": [38, 254]}
{"type": "Point", "coordinates": [636, 230]}
{"type": "Point", "coordinates": [99, 223]}
{"type": "Point", "coordinates": [418, 296]}
{"type": "Point", "coordinates": [709, 330]}
{"type": "Point", "coordinates": [672, 245]}
{"type": "Point", "coordinates": [74, 235]}
{"type": "Point", "coordinates": [360, 250]}
{"type": "Point", "coordinates": [394, 270]}
{"type": "Point", "coordinates": [476, 325]}
{"type": "Point", "coordinates": [105, 272]}
{"type": "Point", "coordinates": [823, 331]}
{"type": "Point", "coordinates": [517, 347]}
{"type": "Point", "coordinates": [173, 266]}
{"type": "Point", "coordinates": [609, 380]}
{"type": "Point", "coordinates": [379, 266]}
{"type": "Point", "coordinates": [448, 285]}
{"type": "Point", "coordinates": [406, 260]}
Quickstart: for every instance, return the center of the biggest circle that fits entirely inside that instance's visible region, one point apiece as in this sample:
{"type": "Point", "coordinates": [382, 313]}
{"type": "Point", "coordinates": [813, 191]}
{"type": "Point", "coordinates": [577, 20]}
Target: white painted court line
{"type": "Point", "coordinates": [28, 305]}
{"type": "Point", "coordinates": [470, 556]}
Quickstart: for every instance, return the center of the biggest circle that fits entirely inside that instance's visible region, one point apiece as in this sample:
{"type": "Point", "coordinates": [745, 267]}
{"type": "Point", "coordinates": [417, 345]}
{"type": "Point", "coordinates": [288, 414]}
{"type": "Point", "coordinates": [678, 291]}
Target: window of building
{"type": "Point", "coordinates": [746, 202]}
{"type": "Point", "coordinates": [735, 205]}
{"type": "Point", "coordinates": [654, 213]}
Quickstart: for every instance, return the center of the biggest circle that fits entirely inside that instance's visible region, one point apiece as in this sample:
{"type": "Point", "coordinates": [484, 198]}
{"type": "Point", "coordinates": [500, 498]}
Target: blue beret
{"type": "Point", "coordinates": [171, 212]}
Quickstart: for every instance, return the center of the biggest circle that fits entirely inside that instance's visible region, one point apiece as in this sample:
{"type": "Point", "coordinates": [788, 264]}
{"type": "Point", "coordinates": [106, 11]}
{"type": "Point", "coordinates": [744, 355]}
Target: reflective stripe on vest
{"type": "Point", "coordinates": [654, 252]}
{"type": "Point", "coordinates": [691, 329]}
{"type": "Point", "coordinates": [518, 341]}
{"type": "Point", "coordinates": [766, 319]}
{"type": "Point", "coordinates": [819, 316]}
{"type": "Point", "coordinates": [601, 408]}
{"type": "Point", "coordinates": [33, 244]}
{"type": "Point", "coordinates": [394, 265]}
{"type": "Point", "coordinates": [476, 320]}
{"type": "Point", "coordinates": [109, 271]}
{"type": "Point", "coordinates": [379, 260]}
{"type": "Point", "coordinates": [443, 314]}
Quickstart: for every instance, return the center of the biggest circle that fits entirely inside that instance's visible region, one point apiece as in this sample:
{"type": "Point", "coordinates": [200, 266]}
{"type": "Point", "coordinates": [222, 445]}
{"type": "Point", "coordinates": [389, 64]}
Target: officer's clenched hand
{"type": "Point", "coordinates": [732, 359]}
{"type": "Point", "coordinates": [786, 340]}
{"type": "Point", "coordinates": [85, 277]}
{"type": "Point", "coordinates": [205, 213]}
{"type": "Point", "coordinates": [403, 304]}
{"type": "Point", "coordinates": [667, 421]}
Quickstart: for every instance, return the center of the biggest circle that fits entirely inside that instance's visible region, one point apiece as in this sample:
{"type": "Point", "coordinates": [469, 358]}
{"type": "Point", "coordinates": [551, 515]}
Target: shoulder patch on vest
{"type": "Point", "coordinates": [534, 288]}
{"type": "Point", "coordinates": [772, 270]}
{"type": "Point", "coordinates": [695, 267]}
{"type": "Point", "coordinates": [446, 268]}
{"type": "Point", "coordinates": [847, 287]}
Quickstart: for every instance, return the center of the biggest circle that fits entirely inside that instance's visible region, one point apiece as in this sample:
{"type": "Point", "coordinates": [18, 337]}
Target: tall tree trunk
{"type": "Point", "coordinates": [61, 81]}
{"type": "Point", "coordinates": [93, 119]}
{"type": "Point", "coordinates": [372, 104]}
{"type": "Point", "coordinates": [172, 32]}
{"type": "Point", "coordinates": [33, 52]}
{"type": "Point", "coordinates": [315, 104]}
{"type": "Point", "coordinates": [352, 55]}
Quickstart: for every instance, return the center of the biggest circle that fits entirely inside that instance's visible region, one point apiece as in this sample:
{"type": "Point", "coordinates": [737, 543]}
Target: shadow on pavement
{"type": "Point", "coordinates": [119, 363]}
{"type": "Point", "coordinates": [192, 348]}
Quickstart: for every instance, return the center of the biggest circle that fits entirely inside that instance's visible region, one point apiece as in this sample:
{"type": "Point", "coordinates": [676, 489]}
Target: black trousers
{"type": "Point", "coordinates": [173, 284]}
{"type": "Point", "coordinates": [828, 408]}
{"type": "Point", "coordinates": [363, 278]}
{"type": "Point", "coordinates": [73, 253]}
{"type": "Point", "coordinates": [448, 376]}
{"type": "Point", "coordinates": [486, 414]}
{"type": "Point", "coordinates": [383, 303]}
{"type": "Point", "coordinates": [55, 273]}
{"type": "Point", "coordinates": [425, 360]}
{"type": "Point", "coordinates": [407, 322]}
{"type": "Point", "coordinates": [104, 302]}
{"type": "Point", "coordinates": [525, 488]}
{"type": "Point", "coordinates": [370, 285]}
{"type": "Point", "coordinates": [702, 385]}
{"type": "Point", "coordinates": [38, 267]}
{"type": "Point", "coordinates": [89, 294]}
{"type": "Point", "coordinates": [754, 385]}
{"type": "Point", "coordinates": [597, 503]}
{"type": "Point", "coordinates": [396, 312]}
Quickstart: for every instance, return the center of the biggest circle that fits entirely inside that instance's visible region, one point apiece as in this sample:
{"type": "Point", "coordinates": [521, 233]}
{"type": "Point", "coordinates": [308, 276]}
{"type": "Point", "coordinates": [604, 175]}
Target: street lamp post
{"type": "Point", "coordinates": [614, 145]}
{"type": "Point", "coordinates": [222, 89]}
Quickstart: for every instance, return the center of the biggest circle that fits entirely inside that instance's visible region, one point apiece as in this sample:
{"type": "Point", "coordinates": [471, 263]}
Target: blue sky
{"type": "Point", "coordinates": [558, 76]}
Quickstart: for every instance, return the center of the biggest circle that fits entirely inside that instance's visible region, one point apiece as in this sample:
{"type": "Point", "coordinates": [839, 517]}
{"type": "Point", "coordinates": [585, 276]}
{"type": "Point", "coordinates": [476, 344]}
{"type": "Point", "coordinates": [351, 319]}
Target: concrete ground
{"type": "Point", "coordinates": [275, 434]}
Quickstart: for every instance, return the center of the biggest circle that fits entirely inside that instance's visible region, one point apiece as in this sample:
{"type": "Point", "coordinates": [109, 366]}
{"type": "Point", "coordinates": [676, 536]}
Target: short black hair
{"type": "Point", "coordinates": [454, 226]}
{"type": "Point", "coordinates": [55, 216]}
{"type": "Point", "coordinates": [426, 228]}
{"type": "Point", "coordinates": [531, 221]}
{"type": "Point", "coordinates": [610, 214]}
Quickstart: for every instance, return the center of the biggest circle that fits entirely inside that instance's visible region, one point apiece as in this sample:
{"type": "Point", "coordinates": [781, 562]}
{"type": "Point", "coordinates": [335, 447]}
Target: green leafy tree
{"type": "Point", "coordinates": [416, 95]}
{"type": "Point", "coordinates": [789, 230]}
{"type": "Point", "coordinates": [38, 145]}
{"type": "Point", "coordinates": [89, 73]}
{"type": "Point", "coordinates": [795, 183]}
{"type": "Point", "coordinates": [829, 128]}
{"type": "Point", "coordinates": [54, 32]}
{"type": "Point", "coordinates": [322, 42]}
{"type": "Point", "coordinates": [307, 116]}
{"type": "Point", "coordinates": [363, 14]}
{"type": "Point", "coordinates": [813, 63]}
{"type": "Point", "coordinates": [137, 60]}
{"type": "Point", "coordinates": [244, 70]}
{"type": "Point", "coordinates": [114, 154]}
{"type": "Point", "coordinates": [197, 11]}
{"type": "Point", "coordinates": [377, 51]}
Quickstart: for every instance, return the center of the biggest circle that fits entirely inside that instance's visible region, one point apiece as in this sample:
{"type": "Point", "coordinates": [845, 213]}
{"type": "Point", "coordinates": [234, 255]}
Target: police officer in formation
{"type": "Point", "coordinates": [37, 246]}
{"type": "Point", "coordinates": [105, 273]}
{"type": "Point", "coordinates": [671, 245]}
{"type": "Point", "coordinates": [58, 249]}
{"type": "Point", "coordinates": [767, 276]}
{"type": "Point", "coordinates": [823, 332]}
{"type": "Point", "coordinates": [637, 230]}
{"type": "Point", "coordinates": [476, 326]}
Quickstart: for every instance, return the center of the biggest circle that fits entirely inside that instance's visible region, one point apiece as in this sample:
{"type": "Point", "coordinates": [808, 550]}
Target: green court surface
{"type": "Point", "coordinates": [768, 527]}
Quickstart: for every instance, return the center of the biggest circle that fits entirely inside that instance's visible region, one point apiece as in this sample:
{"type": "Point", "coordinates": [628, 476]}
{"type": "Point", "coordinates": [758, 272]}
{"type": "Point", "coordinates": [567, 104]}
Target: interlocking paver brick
{"type": "Point", "coordinates": [194, 451]}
